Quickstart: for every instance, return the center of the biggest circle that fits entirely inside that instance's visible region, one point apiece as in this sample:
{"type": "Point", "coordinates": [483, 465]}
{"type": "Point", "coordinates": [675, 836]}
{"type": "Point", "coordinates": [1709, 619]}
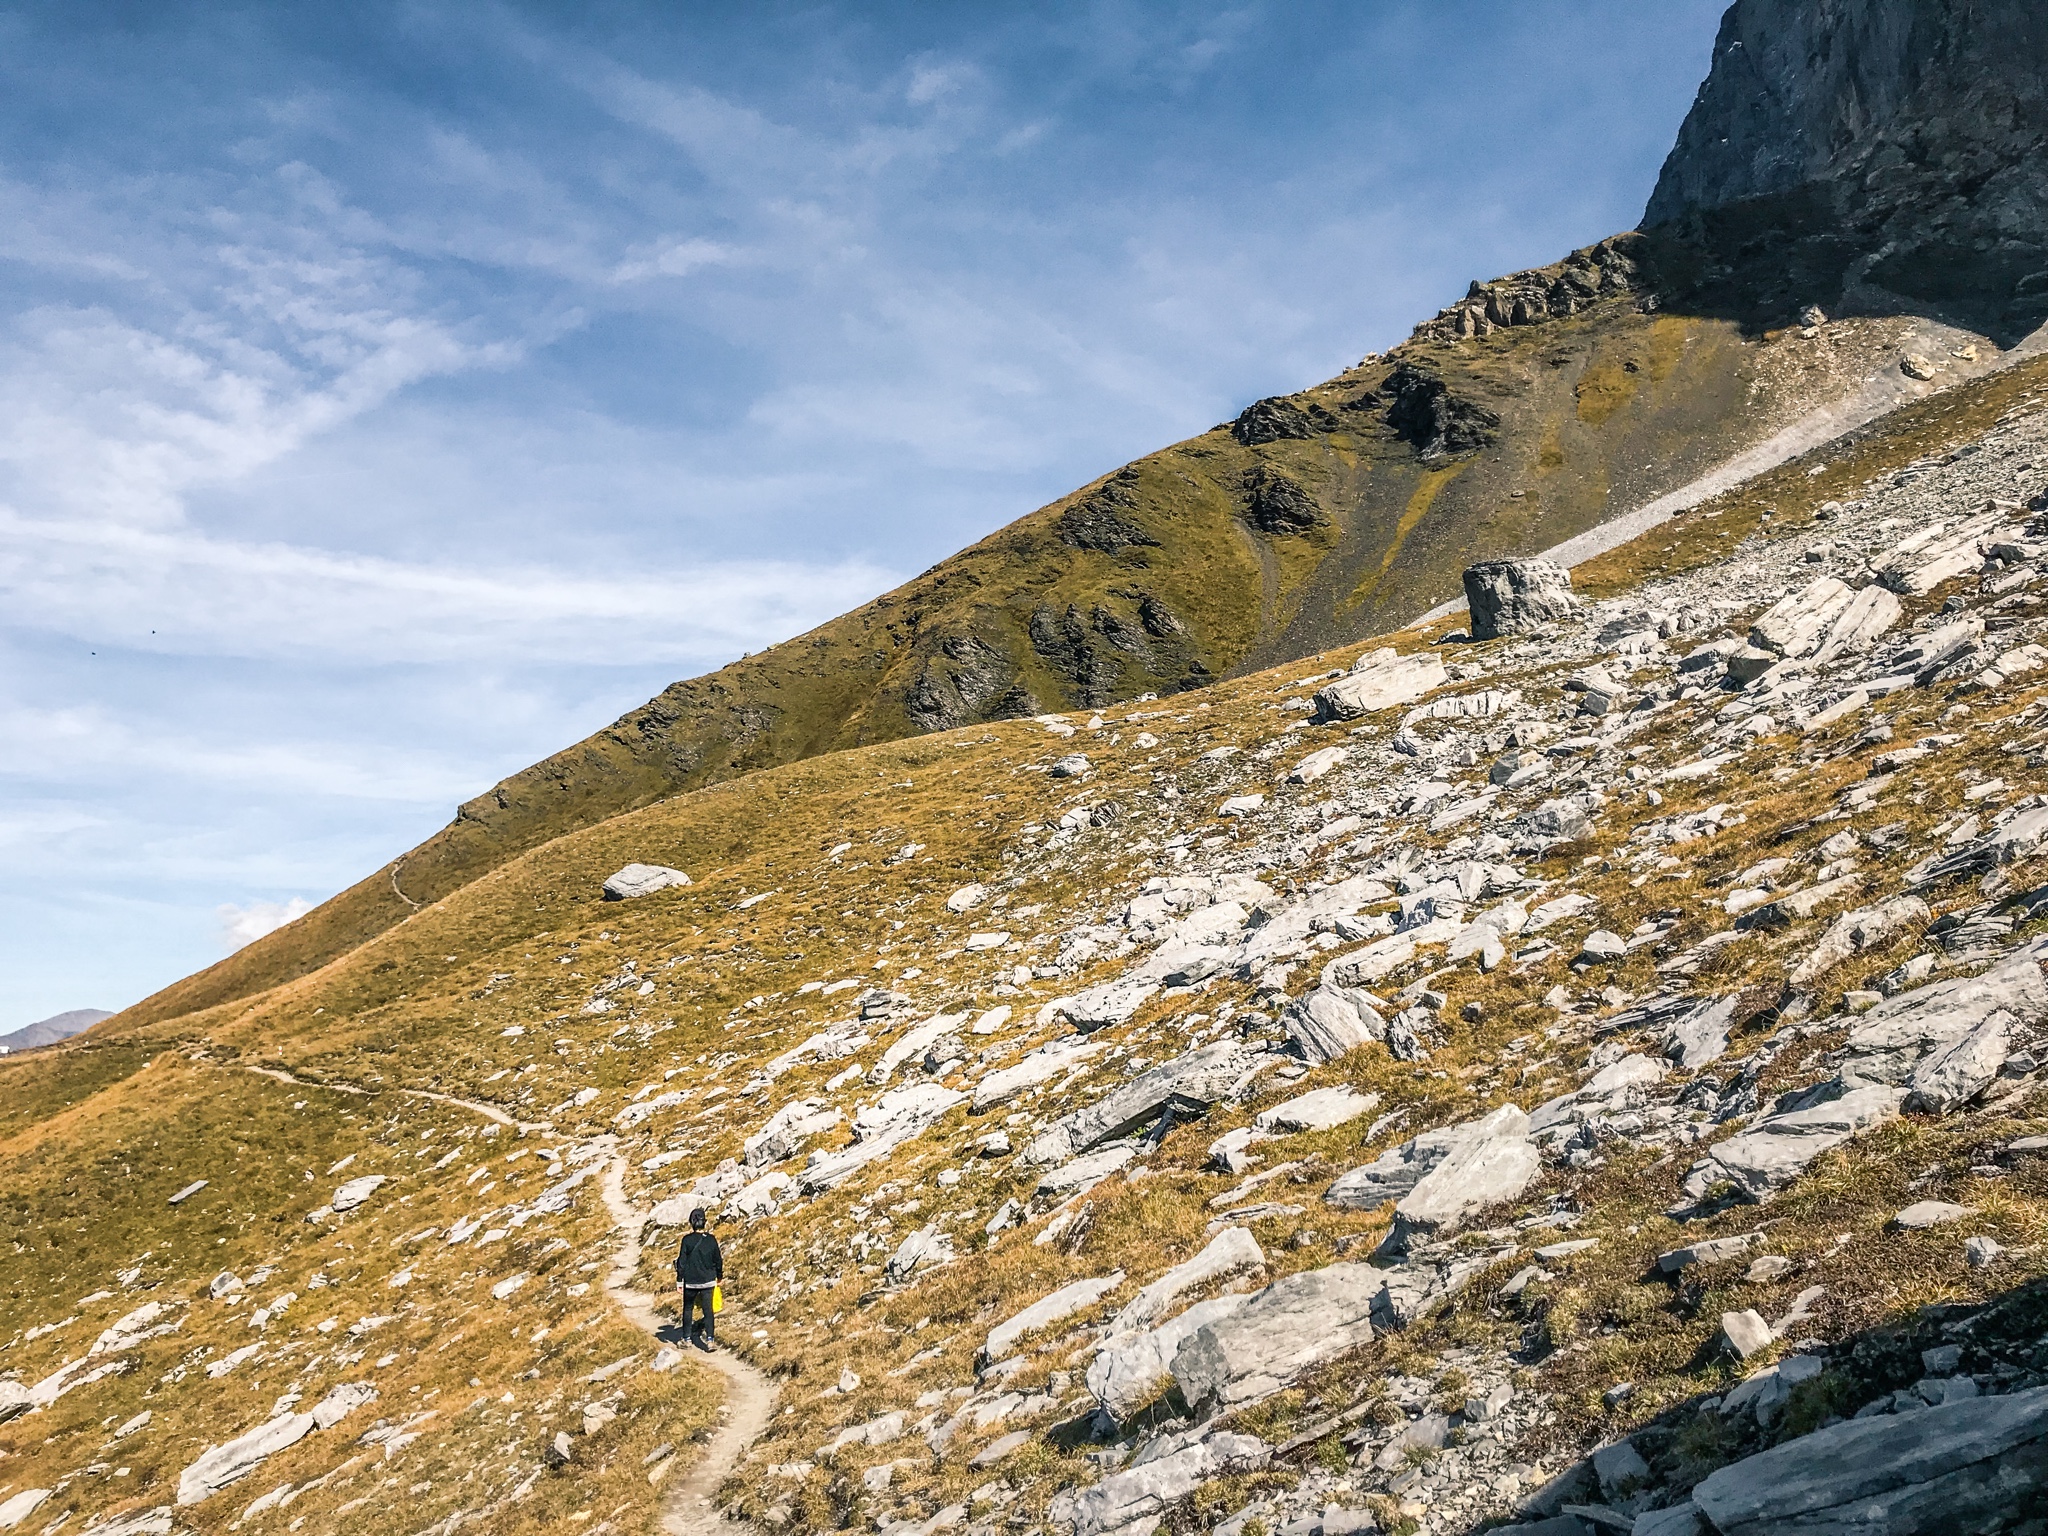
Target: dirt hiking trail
{"type": "Point", "coordinates": [691, 1506]}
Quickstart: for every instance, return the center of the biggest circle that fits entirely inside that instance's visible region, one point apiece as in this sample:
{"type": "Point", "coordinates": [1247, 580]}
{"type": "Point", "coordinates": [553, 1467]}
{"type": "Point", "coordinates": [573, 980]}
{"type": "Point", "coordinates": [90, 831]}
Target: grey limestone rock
{"type": "Point", "coordinates": [785, 1131]}
{"type": "Point", "coordinates": [1229, 1252]}
{"type": "Point", "coordinates": [1318, 1110]}
{"type": "Point", "coordinates": [221, 1465]}
{"type": "Point", "coordinates": [1110, 1003]}
{"type": "Point", "coordinates": [1332, 1020]}
{"type": "Point", "coordinates": [1922, 1214]}
{"type": "Point", "coordinates": [1130, 1369]}
{"type": "Point", "coordinates": [1188, 1084]}
{"type": "Point", "coordinates": [356, 1191]}
{"type": "Point", "coordinates": [1700, 1035]}
{"type": "Point", "coordinates": [2018, 838]}
{"type": "Point", "coordinates": [1398, 1172]}
{"type": "Point", "coordinates": [1673, 1520]}
{"type": "Point", "coordinates": [1964, 1468]}
{"type": "Point", "coordinates": [1745, 1332]}
{"type": "Point", "coordinates": [926, 1248]}
{"type": "Point", "coordinates": [1380, 679]}
{"type": "Point", "coordinates": [1853, 932]}
{"type": "Point", "coordinates": [642, 880]}
{"type": "Point", "coordinates": [1494, 1161]}
{"type": "Point", "coordinates": [1764, 1159]}
{"type": "Point", "coordinates": [1798, 622]}
{"type": "Point", "coordinates": [1047, 1310]}
{"type": "Point", "coordinates": [1289, 1327]}
{"type": "Point", "coordinates": [1511, 597]}
{"type": "Point", "coordinates": [1888, 1043]}
{"type": "Point", "coordinates": [1150, 1484]}
{"type": "Point", "coordinates": [1041, 1066]}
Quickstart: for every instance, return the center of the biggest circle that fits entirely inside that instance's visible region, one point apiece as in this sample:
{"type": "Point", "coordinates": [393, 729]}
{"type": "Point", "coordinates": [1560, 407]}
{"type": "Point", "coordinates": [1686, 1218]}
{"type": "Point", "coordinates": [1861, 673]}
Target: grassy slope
{"type": "Point", "coordinates": [483, 994]}
{"type": "Point", "coordinates": [1600, 411]}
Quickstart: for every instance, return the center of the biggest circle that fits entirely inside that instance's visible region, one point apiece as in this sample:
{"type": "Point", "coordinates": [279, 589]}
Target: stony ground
{"type": "Point", "coordinates": [1590, 1076]}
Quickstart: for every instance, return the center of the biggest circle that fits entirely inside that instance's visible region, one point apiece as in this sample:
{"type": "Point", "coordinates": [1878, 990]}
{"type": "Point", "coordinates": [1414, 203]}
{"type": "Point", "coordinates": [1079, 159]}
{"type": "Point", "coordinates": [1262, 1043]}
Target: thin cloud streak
{"type": "Point", "coordinates": [209, 596]}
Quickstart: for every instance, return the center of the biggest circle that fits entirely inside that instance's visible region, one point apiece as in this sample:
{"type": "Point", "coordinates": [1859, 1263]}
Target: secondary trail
{"type": "Point", "coordinates": [690, 1509]}
{"type": "Point", "coordinates": [488, 1111]}
{"type": "Point", "coordinates": [691, 1506]}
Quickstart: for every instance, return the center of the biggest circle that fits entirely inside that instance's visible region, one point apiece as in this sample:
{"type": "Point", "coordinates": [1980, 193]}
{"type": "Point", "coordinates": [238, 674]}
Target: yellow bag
{"type": "Point", "coordinates": [717, 1300]}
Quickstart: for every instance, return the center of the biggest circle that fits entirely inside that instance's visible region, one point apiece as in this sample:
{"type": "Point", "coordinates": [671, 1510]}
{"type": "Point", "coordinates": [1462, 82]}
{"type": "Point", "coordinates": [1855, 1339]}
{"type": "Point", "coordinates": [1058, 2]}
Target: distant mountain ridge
{"type": "Point", "coordinates": [1535, 409]}
{"type": "Point", "coordinates": [58, 1026]}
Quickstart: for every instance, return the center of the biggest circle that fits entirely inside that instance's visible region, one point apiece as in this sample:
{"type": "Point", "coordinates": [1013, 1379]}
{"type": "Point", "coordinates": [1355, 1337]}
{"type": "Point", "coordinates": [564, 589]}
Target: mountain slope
{"type": "Point", "coordinates": [903, 1034]}
{"type": "Point", "coordinates": [1530, 412]}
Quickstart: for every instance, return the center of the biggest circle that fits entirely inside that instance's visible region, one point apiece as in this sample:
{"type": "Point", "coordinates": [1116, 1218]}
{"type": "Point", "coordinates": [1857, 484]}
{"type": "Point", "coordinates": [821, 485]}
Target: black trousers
{"type": "Point", "coordinates": [694, 1301]}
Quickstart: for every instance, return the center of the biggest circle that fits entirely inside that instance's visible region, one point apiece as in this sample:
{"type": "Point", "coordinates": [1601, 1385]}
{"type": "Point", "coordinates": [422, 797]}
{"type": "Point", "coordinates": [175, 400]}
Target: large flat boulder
{"type": "Point", "coordinates": [1397, 1172]}
{"type": "Point", "coordinates": [1771, 1154]}
{"type": "Point", "coordinates": [1110, 1003]}
{"type": "Point", "coordinates": [1047, 1310]}
{"type": "Point", "coordinates": [1799, 621]}
{"type": "Point", "coordinates": [1493, 1162]}
{"type": "Point", "coordinates": [1041, 1066]}
{"type": "Point", "coordinates": [1187, 1084]}
{"type": "Point", "coordinates": [1891, 1040]}
{"type": "Point", "coordinates": [1379, 680]}
{"type": "Point", "coordinates": [1131, 1369]}
{"type": "Point", "coordinates": [1964, 1468]}
{"type": "Point", "coordinates": [1320, 1109]}
{"type": "Point", "coordinates": [642, 880]}
{"type": "Point", "coordinates": [783, 1134]}
{"type": "Point", "coordinates": [1854, 932]}
{"type": "Point", "coordinates": [221, 1465]}
{"type": "Point", "coordinates": [1229, 1252]}
{"type": "Point", "coordinates": [1329, 1021]}
{"type": "Point", "coordinates": [899, 1115]}
{"type": "Point", "coordinates": [1291, 1326]}
{"type": "Point", "coordinates": [1162, 1476]}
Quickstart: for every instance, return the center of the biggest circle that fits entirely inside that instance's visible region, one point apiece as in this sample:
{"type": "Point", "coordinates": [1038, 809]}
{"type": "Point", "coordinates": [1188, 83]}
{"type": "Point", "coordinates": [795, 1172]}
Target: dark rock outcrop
{"type": "Point", "coordinates": [1423, 411]}
{"type": "Point", "coordinates": [1277, 503]}
{"type": "Point", "coordinates": [1876, 156]}
{"type": "Point", "coordinates": [1606, 271]}
{"type": "Point", "coordinates": [959, 684]}
{"type": "Point", "coordinates": [1102, 519]}
{"type": "Point", "coordinates": [1274, 420]}
{"type": "Point", "coordinates": [1158, 619]}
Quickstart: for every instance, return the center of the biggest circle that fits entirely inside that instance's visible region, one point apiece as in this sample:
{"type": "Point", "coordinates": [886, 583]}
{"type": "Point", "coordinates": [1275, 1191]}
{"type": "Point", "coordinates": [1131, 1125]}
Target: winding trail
{"type": "Point", "coordinates": [690, 1509]}
{"type": "Point", "coordinates": [488, 1111]}
{"type": "Point", "coordinates": [691, 1506]}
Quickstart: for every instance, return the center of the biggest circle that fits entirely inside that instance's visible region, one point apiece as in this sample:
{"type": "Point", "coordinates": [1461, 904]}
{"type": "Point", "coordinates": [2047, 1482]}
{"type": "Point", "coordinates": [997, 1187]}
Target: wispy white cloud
{"type": "Point", "coordinates": [241, 926]}
{"type": "Point", "coordinates": [93, 749]}
{"type": "Point", "coordinates": [188, 592]}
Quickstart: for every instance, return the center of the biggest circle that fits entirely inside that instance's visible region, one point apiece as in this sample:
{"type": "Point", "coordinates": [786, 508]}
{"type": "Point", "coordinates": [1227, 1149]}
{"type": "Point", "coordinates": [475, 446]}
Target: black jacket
{"type": "Point", "coordinates": [698, 1261]}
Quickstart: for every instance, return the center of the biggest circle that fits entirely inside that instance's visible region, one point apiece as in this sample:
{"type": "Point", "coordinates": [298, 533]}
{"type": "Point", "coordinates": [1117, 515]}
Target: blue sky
{"type": "Point", "coordinates": [392, 394]}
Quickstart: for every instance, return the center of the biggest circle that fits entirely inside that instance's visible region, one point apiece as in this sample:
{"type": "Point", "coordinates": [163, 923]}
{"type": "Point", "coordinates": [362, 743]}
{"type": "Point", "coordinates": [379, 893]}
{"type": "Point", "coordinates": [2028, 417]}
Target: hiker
{"type": "Point", "coordinates": [699, 1269]}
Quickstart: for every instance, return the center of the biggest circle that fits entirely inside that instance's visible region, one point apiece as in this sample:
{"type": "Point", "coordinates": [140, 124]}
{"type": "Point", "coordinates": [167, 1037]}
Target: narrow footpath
{"type": "Point", "coordinates": [691, 1508]}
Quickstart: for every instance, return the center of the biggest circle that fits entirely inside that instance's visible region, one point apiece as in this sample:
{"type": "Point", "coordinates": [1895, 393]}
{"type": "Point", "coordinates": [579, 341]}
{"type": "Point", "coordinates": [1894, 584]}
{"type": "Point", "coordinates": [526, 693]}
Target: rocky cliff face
{"type": "Point", "coordinates": [1871, 154]}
